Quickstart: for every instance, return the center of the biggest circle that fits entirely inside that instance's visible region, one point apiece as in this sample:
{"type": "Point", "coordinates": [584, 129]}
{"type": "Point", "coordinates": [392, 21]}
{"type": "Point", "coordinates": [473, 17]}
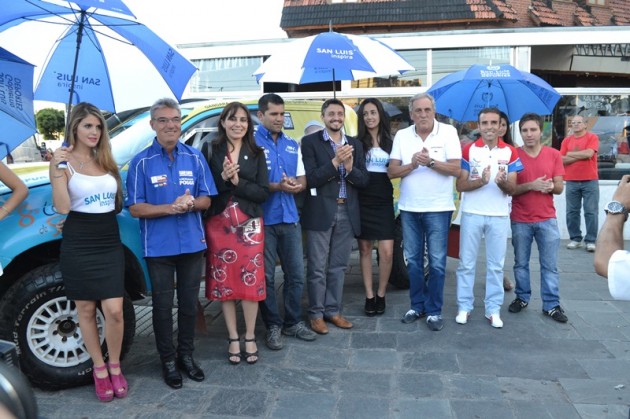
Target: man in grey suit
{"type": "Point", "coordinates": [335, 168]}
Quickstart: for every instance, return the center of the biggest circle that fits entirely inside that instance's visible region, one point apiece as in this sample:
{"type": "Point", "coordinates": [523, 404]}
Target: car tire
{"type": "Point", "coordinates": [399, 276]}
{"type": "Point", "coordinates": [38, 318]}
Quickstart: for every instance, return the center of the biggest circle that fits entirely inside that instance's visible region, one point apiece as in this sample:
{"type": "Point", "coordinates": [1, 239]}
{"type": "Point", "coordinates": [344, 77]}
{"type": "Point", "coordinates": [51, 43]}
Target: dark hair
{"type": "Point", "coordinates": [329, 102]}
{"type": "Point", "coordinates": [531, 117]}
{"type": "Point", "coordinates": [489, 110]}
{"type": "Point", "coordinates": [265, 100]}
{"type": "Point", "coordinates": [384, 133]}
{"type": "Point", "coordinates": [507, 137]}
{"type": "Point", "coordinates": [248, 139]}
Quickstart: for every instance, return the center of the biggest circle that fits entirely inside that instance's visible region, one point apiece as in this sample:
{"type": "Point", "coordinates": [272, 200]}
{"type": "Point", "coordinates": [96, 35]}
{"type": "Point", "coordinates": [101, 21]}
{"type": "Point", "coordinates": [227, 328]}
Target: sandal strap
{"type": "Point", "coordinates": [99, 369]}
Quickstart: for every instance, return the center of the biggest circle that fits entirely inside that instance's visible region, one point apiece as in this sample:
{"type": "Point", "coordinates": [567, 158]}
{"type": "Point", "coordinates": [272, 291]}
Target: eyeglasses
{"type": "Point", "coordinates": [164, 121]}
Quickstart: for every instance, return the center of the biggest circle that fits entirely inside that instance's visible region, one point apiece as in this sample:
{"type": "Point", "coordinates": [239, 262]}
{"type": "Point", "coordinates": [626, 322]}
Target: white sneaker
{"type": "Point", "coordinates": [590, 247]}
{"type": "Point", "coordinates": [495, 320]}
{"type": "Point", "coordinates": [462, 317]}
{"type": "Point", "coordinates": [574, 245]}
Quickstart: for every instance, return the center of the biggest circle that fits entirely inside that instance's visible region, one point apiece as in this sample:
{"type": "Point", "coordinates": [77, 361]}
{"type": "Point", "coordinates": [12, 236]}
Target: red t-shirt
{"type": "Point", "coordinates": [581, 169]}
{"type": "Point", "coordinates": [534, 206]}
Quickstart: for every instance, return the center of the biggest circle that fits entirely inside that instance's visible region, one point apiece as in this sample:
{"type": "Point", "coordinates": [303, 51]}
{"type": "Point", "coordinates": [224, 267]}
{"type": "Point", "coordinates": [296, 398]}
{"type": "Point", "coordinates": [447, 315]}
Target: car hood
{"type": "Point", "coordinates": [32, 174]}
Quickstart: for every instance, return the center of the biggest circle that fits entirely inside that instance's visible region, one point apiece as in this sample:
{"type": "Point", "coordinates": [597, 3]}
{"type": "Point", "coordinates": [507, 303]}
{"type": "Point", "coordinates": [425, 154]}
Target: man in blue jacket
{"type": "Point", "coordinates": [168, 187]}
{"type": "Point", "coordinates": [283, 233]}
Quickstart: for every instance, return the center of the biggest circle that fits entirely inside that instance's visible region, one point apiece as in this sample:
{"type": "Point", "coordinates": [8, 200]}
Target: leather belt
{"type": "Point", "coordinates": [341, 200]}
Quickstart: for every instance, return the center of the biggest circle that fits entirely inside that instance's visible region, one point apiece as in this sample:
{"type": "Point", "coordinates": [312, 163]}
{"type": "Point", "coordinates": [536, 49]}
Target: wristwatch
{"type": "Point", "coordinates": [431, 164]}
{"type": "Point", "coordinates": [616, 207]}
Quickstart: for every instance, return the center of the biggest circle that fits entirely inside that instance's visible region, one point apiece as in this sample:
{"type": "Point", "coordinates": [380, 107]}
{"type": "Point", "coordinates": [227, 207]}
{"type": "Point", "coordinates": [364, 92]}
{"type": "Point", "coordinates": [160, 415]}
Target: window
{"type": "Point", "coordinates": [225, 74]}
{"type": "Point", "coordinates": [417, 77]}
{"type": "Point", "coordinates": [597, 2]}
{"type": "Point", "coordinates": [447, 61]}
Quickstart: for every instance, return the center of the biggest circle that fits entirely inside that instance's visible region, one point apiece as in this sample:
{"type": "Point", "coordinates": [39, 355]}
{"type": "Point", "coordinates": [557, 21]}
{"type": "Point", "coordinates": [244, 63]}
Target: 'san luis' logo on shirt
{"type": "Point", "coordinates": [100, 199]}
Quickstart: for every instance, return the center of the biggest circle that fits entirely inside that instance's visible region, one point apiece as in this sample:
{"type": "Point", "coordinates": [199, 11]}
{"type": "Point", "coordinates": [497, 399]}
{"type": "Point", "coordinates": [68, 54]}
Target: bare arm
{"type": "Point", "coordinates": [59, 179]}
{"type": "Point", "coordinates": [610, 237]}
{"type": "Point", "coordinates": [396, 169]}
{"type": "Point", "coordinates": [20, 191]}
{"type": "Point", "coordinates": [184, 203]}
{"type": "Point", "coordinates": [465, 184]}
{"type": "Point", "coordinates": [585, 154]}
{"type": "Point", "coordinates": [506, 181]}
{"type": "Point", "coordinates": [541, 184]}
{"type": "Point", "coordinates": [451, 167]}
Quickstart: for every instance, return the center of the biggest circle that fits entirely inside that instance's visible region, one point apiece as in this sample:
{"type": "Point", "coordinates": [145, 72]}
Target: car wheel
{"type": "Point", "coordinates": [38, 318]}
{"type": "Point", "coordinates": [399, 276]}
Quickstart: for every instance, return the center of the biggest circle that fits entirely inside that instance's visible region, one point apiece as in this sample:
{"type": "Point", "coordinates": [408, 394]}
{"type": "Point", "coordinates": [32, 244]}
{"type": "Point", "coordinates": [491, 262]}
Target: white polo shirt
{"type": "Point", "coordinates": [424, 189]}
{"type": "Point", "coordinates": [618, 277]}
{"type": "Point", "coordinates": [489, 199]}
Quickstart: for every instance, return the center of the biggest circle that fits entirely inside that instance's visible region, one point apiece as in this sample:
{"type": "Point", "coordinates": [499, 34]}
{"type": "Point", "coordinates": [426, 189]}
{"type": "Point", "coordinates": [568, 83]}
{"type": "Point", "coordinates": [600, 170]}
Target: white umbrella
{"type": "Point", "coordinates": [331, 56]}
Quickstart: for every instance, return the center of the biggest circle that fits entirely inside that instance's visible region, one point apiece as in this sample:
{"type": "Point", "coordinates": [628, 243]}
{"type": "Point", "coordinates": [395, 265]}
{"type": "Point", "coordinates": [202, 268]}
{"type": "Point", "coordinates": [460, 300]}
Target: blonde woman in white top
{"type": "Point", "coordinates": [92, 258]}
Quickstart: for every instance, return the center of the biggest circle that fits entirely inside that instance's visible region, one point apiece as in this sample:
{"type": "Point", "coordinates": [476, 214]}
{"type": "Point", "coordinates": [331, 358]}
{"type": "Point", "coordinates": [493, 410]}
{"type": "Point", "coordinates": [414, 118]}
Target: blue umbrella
{"type": "Point", "coordinates": [17, 120]}
{"type": "Point", "coordinates": [463, 94]}
{"type": "Point", "coordinates": [331, 56]}
{"type": "Point", "coordinates": [77, 69]}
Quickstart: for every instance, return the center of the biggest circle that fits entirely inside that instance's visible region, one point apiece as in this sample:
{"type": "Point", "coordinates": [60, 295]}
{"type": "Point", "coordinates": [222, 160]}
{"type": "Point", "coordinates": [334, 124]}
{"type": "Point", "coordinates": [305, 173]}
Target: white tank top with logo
{"type": "Point", "coordinates": [92, 194]}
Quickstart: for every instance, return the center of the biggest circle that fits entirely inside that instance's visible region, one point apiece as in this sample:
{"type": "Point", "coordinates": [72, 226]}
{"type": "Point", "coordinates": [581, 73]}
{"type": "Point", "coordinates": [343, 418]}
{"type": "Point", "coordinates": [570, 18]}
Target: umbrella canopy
{"type": "Point", "coordinates": [16, 101]}
{"type": "Point", "coordinates": [77, 69]}
{"type": "Point", "coordinates": [463, 94]}
{"type": "Point", "coordinates": [331, 56]}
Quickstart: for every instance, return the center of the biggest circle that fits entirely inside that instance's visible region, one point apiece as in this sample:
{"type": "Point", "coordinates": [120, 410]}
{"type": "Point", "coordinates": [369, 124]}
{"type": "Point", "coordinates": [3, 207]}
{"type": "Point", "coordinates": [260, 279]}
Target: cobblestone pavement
{"type": "Point", "coordinates": [532, 368]}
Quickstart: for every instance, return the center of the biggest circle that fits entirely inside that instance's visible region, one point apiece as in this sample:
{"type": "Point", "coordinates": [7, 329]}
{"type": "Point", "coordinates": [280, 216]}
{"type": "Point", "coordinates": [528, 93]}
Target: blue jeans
{"type": "Point", "coordinates": [283, 241]}
{"type": "Point", "coordinates": [432, 228]}
{"type": "Point", "coordinates": [547, 238]}
{"type": "Point", "coordinates": [586, 192]}
{"type": "Point", "coordinates": [495, 230]}
{"type": "Point", "coordinates": [162, 271]}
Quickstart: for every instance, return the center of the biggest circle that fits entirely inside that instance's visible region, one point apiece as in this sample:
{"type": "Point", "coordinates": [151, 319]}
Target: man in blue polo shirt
{"type": "Point", "coordinates": [168, 186]}
{"type": "Point", "coordinates": [283, 233]}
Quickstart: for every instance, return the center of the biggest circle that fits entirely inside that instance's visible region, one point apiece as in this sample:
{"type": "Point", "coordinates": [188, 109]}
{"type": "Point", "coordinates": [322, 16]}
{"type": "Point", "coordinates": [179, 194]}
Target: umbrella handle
{"type": "Point", "coordinates": [63, 165]}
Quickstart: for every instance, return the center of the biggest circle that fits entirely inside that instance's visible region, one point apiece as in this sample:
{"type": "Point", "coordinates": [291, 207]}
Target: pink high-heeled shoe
{"type": "Point", "coordinates": [119, 383]}
{"type": "Point", "coordinates": [103, 386]}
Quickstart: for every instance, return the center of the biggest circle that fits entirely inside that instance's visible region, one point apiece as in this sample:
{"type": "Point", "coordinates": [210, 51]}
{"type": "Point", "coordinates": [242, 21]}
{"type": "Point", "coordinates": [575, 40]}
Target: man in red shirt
{"type": "Point", "coordinates": [579, 156]}
{"type": "Point", "coordinates": [533, 217]}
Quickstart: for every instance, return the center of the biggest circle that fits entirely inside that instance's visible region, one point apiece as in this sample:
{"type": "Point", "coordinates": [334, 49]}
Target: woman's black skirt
{"type": "Point", "coordinates": [92, 258]}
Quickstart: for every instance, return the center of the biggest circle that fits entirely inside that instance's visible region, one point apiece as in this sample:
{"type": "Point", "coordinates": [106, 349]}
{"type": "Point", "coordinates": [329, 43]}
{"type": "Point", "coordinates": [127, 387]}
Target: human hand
{"type": "Point", "coordinates": [423, 157]}
{"type": "Point", "coordinates": [485, 175]}
{"type": "Point", "coordinates": [289, 184]}
{"type": "Point", "coordinates": [501, 176]}
{"type": "Point", "coordinates": [61, 155]}
{"type": "Point", "coordinates": [230, 171]}
{"type": "Point", "coordinates": [184, 203]}
{"type": "Point", "coordinates": [542, 184]}
{"type": "Point", "coordinates": [622, 193]}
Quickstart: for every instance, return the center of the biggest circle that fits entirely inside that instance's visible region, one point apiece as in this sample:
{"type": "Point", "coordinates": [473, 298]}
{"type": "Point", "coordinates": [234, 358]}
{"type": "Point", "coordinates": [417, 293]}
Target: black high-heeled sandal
{"type": "Point", "coordinates": [232, 354]}
{"type": "Point", "coordinates": [249, 355]}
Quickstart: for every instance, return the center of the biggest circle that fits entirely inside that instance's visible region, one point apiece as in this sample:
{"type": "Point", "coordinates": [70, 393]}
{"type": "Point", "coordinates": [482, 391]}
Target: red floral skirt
{"type": "Point", "coordinates": [235, 261]}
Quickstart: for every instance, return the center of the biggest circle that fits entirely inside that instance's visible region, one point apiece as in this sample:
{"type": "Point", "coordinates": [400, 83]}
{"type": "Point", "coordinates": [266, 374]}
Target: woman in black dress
{"type": "Point", "coordinates": [92, 260]}
{"type": "Point", "coordinates": [376, 202]}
